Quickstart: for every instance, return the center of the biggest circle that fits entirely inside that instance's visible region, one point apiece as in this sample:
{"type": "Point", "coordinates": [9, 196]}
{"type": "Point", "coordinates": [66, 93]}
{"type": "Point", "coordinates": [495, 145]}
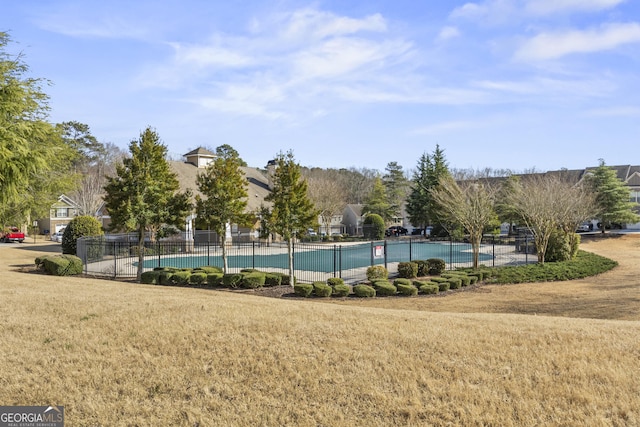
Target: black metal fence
{"type": "Point", "coordinates": [117, 257]}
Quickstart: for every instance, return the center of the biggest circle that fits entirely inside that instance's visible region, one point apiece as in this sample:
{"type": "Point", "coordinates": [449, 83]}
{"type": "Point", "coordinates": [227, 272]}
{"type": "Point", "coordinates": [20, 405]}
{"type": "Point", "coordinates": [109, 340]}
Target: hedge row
{"type": "Point", "coordinates": [213, 277]}
{"type": "Point", "coordinates": [421, 268]}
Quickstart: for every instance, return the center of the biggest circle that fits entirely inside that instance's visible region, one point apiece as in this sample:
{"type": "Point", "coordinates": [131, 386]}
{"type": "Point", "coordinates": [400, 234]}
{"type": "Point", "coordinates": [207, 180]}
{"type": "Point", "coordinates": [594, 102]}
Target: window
{"type": "Point", "coordinates": [635, 195]}
{"type": "Point", "coordinates": [62, 212]}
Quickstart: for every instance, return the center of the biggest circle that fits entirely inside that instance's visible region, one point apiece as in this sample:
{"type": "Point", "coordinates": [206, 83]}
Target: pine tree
{"type": "Point", "coordinates": [612, 197]}
{"type": "Point", "coordinates": [144, 195]}
{"type": "Point", "coordinates": [224, 188]}
{"type": "Point", "coordinates": [395, 185]}
{"type": "Point", "coordinates": [378, 203]}
{"type": "Point", "coordinates": [421, 208]}
{"type": "Point", "coordinates": [292, 211]}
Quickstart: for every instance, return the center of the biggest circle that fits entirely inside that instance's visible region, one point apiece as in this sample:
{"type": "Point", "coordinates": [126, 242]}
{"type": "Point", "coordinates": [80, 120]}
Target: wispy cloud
{"type": "Point", "coordinates": [547, 7]}
{"type": "Point", "coordinates": [553, 45]}
{"type": "Point", "coordinates": [448, 32]}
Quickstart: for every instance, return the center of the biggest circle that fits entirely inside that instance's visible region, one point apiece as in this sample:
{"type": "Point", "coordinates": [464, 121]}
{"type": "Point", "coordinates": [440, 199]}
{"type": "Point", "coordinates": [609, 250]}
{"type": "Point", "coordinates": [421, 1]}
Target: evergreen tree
{"type": "Point", "coordinates": [378, 203]}
{"type": "Point", "coordinates": [612, 197]}
{"type": "Point", "coordinates": [144, 195]}
{"type": "Point", "coordinates": [421, 208]}
{"type": "Point", "coordinates": [395, 185]}
{"type": "Point", "coordinates": [292, 211]}
{"type": "Point", "coordinates": [224, 188]}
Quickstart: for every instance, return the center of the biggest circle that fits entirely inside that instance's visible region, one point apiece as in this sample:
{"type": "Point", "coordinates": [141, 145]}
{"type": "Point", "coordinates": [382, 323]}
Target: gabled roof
{"type": "Point", "coordinates": [257, 188]}
{"type": "Point", "coordinates": [65, 201]}
{"type": "Point", "coordinates": [200, 151]}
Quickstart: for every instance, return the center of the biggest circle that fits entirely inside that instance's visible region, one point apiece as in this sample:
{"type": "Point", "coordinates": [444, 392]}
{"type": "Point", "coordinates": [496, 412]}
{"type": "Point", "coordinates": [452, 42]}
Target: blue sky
{"type": "Point", "coordinates": [517, 84]}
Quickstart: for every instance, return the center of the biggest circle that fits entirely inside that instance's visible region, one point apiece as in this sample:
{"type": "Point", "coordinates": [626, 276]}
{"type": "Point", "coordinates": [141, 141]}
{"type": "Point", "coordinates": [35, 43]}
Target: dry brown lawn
{"type": "Point", "coordinates": [122, 354]}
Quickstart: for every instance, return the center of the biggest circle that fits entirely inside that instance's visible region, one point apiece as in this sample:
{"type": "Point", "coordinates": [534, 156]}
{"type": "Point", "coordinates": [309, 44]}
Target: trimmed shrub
{"type": "Point", "coordinates": [214, 279]}
{"type": "Point", "coordinates": [384, 288]}
{"type": "Point", "coordinates": [321, 289]}
{"type": "Point", "coordinates": [164, 278]}
{"type": "Point", "coordinates": [429, 288]}
{"type": "Point", "coordinates": [231, 280]}
{"type": "Point", "coordinates": [438, 279]}
{"type": "Point", "coordinates": [303, 289]}
{"type": "Point", "coordinates": [198, 278]}
{"type": "Point", "coordinates": [150, 277]}
{"type": "Point", "coordinates": [408, 290]}
{"type": "Point", "coordinates": [423, 269]}
{"type": "Point", "coordinates": [560, 247]}
{"type": "Point", "coordinates": [402, 281]}
{"type": "Point", "coordinates": [253, 280]}
{"type": "Point", "coordinates": [334, 281]}
{"type": "Point", "coordinates": [436, 266]}
{"type": "Point", "coordinates": [80, 226]}
{"type": "Point", "coordinates": [364, 291]}
{"type": "Point", "coordinates": [377, 272]}
{"type": "Point", "coordinates": [408, 270]}
{"type": "Point", "coordinates": [210, 269]}
{"type": "Point", "coordinates": [341, 290]}
{"type": "Point", "coordinates": [454, 282]}
{"type": "Point", "coordinates": [373, 227]}
{"type": "Point", "coordinates": [61, 265]}
{"type": "Point", "coordinates": [473, 280]}
{"type": "Point", "coordinates": [180, 278]}
{"type": "Point", "coordinates": [286, 280]}
{"type": "Point", "coordinates": [272, 279]}
{"type": "Point", "coordinates": [443, 286]}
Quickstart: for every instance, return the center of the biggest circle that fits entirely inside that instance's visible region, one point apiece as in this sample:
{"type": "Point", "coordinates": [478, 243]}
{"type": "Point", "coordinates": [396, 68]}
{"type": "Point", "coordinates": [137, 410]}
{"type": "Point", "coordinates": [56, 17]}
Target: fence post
{"type": "Point", "coordinates": [335, 247]}
{"type": "Point", "coordinates": [410, 250]}
{"type": "Point", "coordinates": [340, 260]}
{"type": "Point", "coordinates": [253, 255]}
{"type": "Point", "coordinates": [450, 253]}
{"type": "Point", "coordinates": [158, 250]}
{"type": "Point", "coordinates": [115, 261]}
{"type": "Point", "coordinates": [385, 253]}
{"type": "Point", "coordinates": [494, 251]}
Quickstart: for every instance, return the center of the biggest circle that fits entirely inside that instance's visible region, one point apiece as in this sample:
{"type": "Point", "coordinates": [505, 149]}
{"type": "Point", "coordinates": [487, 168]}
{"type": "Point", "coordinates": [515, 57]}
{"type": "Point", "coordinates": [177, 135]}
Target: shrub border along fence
{"type": "Point", "coordinates": [117, 257]}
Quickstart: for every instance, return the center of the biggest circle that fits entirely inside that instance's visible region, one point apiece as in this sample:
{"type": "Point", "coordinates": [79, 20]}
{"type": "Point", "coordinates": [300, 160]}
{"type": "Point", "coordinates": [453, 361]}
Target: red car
{"type": "Point", "coordinates": [12, 234]}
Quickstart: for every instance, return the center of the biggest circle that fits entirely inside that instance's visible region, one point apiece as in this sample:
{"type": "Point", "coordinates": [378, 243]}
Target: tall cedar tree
{"type": "Point", "coordinates": [612, 197]}
{"type": "Point", "coordinates": [144, 196]}
{"type": "Point", "coordinates": [292, 211]}
{"type": "Point", "coordinates": [224, 188]}
{"type": "Point", "coordinates": [378, 203]}
{"type": "Point", "coordinates": [34, 160]}
{"type": "Point", "coordinates": [420, 205]}
{"type": "Point", "coordinates": [395, 185]}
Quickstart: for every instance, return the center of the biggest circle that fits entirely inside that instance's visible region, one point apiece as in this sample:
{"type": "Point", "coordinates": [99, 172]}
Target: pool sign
{"type": "Point", "coordinates": [378, 251]}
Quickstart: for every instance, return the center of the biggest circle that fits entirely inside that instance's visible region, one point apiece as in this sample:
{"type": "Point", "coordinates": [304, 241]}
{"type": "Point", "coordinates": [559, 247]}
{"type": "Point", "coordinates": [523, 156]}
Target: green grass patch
{"type": "Point", "coordinates": [585, 264]}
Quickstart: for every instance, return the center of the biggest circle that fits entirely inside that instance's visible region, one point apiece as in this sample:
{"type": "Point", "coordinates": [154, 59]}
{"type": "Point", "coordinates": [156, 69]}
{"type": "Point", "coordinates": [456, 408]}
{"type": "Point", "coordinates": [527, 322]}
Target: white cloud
{"type": "Point", "coordinates": [209, 56]}
{"type": "Point", "coordinates": [553, 45]}
{"type": "Point", "coordinates": [310, 23]}
{"type": "Point", "coordinates": [547, 7]}
{"type": "Point", "coordinates": [447, 33]}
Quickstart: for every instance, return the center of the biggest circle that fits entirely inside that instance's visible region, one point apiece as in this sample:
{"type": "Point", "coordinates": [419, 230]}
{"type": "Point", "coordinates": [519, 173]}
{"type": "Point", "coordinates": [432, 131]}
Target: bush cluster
{"type": "Point", "coordinates": [60, 265]}
{"type": "Point", "coordinates": [80, 226]}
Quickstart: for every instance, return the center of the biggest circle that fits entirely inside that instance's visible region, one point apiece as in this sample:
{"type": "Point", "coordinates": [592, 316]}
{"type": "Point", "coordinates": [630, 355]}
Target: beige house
{"type": "Point", "coordinates": [60, 213]}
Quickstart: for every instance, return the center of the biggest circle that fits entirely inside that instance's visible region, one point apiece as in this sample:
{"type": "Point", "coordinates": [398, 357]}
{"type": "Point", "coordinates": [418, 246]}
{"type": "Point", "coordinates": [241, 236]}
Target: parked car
{"type": "Point", "coordinates": [396, 230]}
{"type": "Point", "coordinates": [12, 234]}
{"type": "Point", "coordinates": [57, 237]}
{"type": "Point", "coordinates": [584, 227]}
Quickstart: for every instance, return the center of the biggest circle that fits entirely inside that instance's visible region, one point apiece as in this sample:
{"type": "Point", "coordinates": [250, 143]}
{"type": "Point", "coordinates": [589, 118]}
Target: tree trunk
{"type": "Point", "coordinates": [223, 246]}
{"type": "Point", "coordinates": [290, 253]}
{"type": "Point", "coordinates": [140, 254]}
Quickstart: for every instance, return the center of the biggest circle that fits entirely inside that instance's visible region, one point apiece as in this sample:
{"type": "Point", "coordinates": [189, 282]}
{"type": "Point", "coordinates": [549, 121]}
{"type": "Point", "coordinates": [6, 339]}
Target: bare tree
{"type": "Point", "coordinates": [469, 204]}
{"type": "Point", "coordinates": [548, 202]}
{"type": "Point", "coordinates": [328, 196]}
